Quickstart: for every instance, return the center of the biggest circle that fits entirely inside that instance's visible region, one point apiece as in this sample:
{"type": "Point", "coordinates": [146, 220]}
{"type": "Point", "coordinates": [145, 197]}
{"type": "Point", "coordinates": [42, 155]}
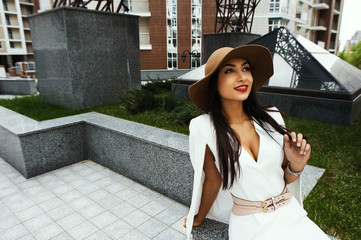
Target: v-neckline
{"type": "Point", "coordinates": [259, 144]}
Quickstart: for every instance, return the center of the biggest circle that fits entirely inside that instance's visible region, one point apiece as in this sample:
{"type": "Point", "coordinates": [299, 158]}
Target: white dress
{"type": "Point", "coordinates": [257, 181]}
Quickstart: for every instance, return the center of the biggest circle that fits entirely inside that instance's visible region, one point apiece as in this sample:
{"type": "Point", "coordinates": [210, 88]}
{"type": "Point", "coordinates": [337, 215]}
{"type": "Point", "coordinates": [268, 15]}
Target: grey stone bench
{"type": "Point", "coordinates": [18, 86]}
{"type": "Point", "coordinates": [154, 157]}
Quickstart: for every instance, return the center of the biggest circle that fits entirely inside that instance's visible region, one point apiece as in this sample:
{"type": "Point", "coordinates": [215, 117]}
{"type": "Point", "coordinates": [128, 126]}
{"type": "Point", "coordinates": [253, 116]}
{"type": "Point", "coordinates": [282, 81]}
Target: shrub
{"type": "Point", "coordinates": [168, 102]}
{"type": "Point", "coordinates": [157, 86]}
{"type": "Point", "coordinates": [184, 113]}
{"type": "Point", "coordinates": [139, 100]}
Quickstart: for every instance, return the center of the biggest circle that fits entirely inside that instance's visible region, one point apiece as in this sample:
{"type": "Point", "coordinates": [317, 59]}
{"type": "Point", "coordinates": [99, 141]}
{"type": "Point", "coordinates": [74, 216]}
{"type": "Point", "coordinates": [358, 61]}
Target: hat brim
{"type": "Point", "coordinates": [260, 60]}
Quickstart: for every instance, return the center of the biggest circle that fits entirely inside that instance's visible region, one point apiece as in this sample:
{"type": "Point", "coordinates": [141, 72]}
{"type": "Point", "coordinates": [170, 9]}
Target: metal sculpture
{"type": "Point", "coordinates": [235, 15]}
{"type": "Point", "coordinates": [102, 5]}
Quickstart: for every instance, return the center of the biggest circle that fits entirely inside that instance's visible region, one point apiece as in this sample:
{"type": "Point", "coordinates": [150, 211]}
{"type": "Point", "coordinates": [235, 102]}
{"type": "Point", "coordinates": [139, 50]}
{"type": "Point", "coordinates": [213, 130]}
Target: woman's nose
{"type": "Point", "coordinates": [241, 76]}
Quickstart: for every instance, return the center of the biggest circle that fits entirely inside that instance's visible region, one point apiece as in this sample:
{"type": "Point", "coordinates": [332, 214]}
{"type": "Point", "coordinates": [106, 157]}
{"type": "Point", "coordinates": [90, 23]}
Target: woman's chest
{"type": "Point", "coordinates": [249, 138]}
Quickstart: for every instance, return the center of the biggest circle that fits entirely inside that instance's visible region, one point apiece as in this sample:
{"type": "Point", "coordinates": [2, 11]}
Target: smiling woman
{"type": "Point", "coordinates": [234, 80]}
{"type": "Point", "coordinates": [242, 153]}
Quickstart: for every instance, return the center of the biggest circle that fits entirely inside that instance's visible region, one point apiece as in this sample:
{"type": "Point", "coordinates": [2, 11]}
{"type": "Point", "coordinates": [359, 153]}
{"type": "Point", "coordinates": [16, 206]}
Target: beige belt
{"type": "Point", "coordinates": [245, 207]}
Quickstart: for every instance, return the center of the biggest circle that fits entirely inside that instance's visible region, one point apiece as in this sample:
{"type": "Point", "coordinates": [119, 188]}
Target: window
{"type": "Point", "coordinates": [279, 6]}
{"type": "Point", "coordinates": [12, 45]}
{"type": "Point", "coordinates": [1, 45]}
{"type": "Point", "coordinates": [196, 30]}
{"type": "Point", "coordinates": [172, 35]}
{"type": "Point", "coordinates": [10, 32]}
{"type": "Point", "coordinates": [5, 4]}
{"type": "Point", "coordinates": [273, 24]}
{"type": "Point", "coordinates": [274, 6]}
{"type": "Point", "coordinates": [7, 17]}
{"type": "Point", "coordinates": [30, 10]}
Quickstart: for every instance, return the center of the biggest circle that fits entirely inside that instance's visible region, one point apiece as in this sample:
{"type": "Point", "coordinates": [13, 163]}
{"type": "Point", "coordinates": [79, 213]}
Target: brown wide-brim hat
{"type": "Point", "coordinates": [258, 57]}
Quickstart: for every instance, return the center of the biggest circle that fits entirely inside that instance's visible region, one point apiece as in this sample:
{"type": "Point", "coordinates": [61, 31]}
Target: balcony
{"type": "Point", "coordinates": [321, 4]}
{"type": "Point", "coordinates": [27, 2]}
{"type": "Point", "coordinates": [318, 28]}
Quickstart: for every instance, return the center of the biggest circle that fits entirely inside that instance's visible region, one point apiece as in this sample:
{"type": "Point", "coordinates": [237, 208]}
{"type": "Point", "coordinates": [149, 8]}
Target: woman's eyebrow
{"type": "Point", "coordinates": [232, 65]}
{"type": "Point", "coordinates": [228, 64]}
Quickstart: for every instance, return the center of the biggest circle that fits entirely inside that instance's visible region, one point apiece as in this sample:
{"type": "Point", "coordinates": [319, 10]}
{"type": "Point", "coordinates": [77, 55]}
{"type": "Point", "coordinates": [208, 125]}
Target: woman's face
{"type": "Point", "coordinates": [234, 80]}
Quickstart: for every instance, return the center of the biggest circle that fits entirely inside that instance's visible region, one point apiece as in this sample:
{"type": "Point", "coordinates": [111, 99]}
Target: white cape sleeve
{"type": "Point", "coordinates": [199, 137]}
{"type": "Point", "coordinates": [197, 148]}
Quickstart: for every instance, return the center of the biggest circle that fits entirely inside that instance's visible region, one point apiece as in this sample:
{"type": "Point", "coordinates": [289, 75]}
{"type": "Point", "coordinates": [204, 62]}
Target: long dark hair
{"type": "Point", "coordinates": [228, 141]}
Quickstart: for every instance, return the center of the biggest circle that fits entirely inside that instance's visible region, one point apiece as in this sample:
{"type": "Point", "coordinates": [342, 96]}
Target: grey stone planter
{"type": "Point", "coordinates": [85, 58]}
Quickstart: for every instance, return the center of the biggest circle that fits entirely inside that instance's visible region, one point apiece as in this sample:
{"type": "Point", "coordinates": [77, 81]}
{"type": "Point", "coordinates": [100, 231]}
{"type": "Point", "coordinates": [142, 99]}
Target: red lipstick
{"type": "Point", "coordinates": [241, 88]}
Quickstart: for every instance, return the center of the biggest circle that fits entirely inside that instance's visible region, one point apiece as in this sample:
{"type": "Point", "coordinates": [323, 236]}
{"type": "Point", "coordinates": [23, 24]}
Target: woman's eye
{"type": "Point", "coordinates": [246, 69]}
{"type": "Point", "coordinates": [229, 70]}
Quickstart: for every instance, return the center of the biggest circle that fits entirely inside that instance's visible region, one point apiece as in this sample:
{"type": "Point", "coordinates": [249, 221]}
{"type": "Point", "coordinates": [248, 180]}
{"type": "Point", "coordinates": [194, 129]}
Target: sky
{"type": "Point", "coordinates": [350, 21]}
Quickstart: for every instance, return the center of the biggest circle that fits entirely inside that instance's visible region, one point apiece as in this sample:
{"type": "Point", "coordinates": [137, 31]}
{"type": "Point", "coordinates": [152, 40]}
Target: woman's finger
{"type": "Point", "coordinates": [303, 146]}
{"type": "Point", "coordinates": [185, 222]}
{"type": "Point", "coordinates": [307, 149]}
{"type": "Point", "coordinates": [299, 139]}
{"type": "Point", "coordinates": [287, 140]}
{"type": "Point", "coordinates": [293, 135]}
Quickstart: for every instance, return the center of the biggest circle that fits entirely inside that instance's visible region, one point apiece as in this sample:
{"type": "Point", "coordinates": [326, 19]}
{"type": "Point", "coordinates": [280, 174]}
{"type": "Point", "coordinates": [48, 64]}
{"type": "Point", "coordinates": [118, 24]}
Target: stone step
{"type": "Point", "coordinates": [309, 179]}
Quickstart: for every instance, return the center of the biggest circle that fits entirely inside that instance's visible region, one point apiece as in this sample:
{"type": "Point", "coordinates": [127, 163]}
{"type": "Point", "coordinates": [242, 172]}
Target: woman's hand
{"type": "Point", "coordinates": [297, 151]}
{"type": "Point", "coordinates": [196, 222]}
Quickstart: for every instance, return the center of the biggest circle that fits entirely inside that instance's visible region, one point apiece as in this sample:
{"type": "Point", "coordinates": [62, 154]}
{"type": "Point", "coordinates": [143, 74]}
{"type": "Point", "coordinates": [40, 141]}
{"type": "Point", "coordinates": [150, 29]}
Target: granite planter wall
{"type": "Point", "coordinates": [18, 86]}
{"type": "Point", "coordinates": [154, 157]}
{"type": "Point", "coordinates": [85, 58]}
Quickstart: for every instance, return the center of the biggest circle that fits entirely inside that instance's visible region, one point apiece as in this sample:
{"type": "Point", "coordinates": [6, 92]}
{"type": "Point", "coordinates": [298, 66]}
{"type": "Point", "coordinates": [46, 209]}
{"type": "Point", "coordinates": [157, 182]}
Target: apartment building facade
{"type": "Point", "coordinates": [316, 20]}
{"type": "Point", "coordinates": [170, 31]}
{"type": "Point", "coordinates": [172, 26]}
{"type": "Point", "coordinates": [15, 38]}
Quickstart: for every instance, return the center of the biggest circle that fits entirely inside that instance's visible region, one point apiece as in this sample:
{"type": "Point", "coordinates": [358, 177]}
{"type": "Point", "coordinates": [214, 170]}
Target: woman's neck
{"type": "Point", "coordinates": [233, 111]}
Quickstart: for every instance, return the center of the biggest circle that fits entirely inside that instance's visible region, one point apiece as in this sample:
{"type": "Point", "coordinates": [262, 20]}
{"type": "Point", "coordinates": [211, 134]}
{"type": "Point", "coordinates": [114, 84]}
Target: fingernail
{"type": "Point", "coordinates": [304, 153]}
{"type": "Point", "coordinates": [301, 152]}
{"type": "Point", "coordinates": [298, 144]}
{"type": "Point", "coordinates": [294, 139]}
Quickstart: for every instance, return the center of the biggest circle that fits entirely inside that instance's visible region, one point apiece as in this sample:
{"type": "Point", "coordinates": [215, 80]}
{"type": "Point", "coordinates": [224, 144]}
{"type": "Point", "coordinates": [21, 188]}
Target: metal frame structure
{"type": "Point", "coordinates": [235, 15]}
{"type": "Point", "coordinates": [108, 5]}
{"type": "Point", "coordinates": [295, 54]}
{"type": "Point", "coordinates": [292, 52]}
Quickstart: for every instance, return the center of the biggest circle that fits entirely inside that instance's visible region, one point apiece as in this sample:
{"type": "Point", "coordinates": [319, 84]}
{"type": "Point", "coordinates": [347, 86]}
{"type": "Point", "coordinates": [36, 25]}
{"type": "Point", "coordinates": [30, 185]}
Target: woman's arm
{"type": "Point", "coordinates": [297, 152]}
{"type": "Point", "coordinates": [211, 185]}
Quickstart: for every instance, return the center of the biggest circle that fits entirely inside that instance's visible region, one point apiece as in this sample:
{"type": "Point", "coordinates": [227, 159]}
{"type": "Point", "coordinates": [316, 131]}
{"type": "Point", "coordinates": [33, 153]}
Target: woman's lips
{"type": "Point", "coordinates": [241, 88]}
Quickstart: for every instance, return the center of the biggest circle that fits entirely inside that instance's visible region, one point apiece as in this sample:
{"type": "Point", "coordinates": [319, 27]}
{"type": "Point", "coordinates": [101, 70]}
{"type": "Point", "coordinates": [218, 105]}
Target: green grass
{"type": "Point", "coordinates": [32, 107]}
{"type": "Point", "coordinates": [334, 204]}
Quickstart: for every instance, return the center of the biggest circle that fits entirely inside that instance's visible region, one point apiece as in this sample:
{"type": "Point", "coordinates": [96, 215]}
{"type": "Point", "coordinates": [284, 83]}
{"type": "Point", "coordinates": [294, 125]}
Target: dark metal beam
{"type": "Point", "coordinates": [235, 15]}
{"type": "Point", "coordinates": [107, 7]}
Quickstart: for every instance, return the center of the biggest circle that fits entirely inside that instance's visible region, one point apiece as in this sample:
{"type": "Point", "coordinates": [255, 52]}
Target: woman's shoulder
{"type": "Point", "coordinates": [275, 114]}
{"type": "Point", "coordinates": [201, 119]}
{"type": "Point", "coordinates": [201, 124]}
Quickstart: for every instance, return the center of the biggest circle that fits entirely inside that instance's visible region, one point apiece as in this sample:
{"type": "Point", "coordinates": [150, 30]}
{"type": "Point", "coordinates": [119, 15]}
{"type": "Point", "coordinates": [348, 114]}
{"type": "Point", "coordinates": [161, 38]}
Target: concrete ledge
{"type": "Point", "coordinates": [18, 86]}
{"type": "Point", "coordinates": [161, 74]}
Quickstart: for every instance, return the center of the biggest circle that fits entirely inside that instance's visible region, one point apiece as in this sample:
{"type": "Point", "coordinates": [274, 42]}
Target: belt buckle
{"type": "Point", "coordinates": [265, 210]}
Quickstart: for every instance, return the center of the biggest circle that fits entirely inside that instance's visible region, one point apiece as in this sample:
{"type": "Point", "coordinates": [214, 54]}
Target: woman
{"type": "Point", "coordinates": [242, 155]}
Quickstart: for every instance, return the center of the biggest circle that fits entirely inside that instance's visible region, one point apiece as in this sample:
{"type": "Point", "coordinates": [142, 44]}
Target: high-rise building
{"type": "Point", "coordinates": [316, 20]}
{"type": "Point", "coordinates": [15, 39]}
{"type": "Point", "coordinates": [356, 38]}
